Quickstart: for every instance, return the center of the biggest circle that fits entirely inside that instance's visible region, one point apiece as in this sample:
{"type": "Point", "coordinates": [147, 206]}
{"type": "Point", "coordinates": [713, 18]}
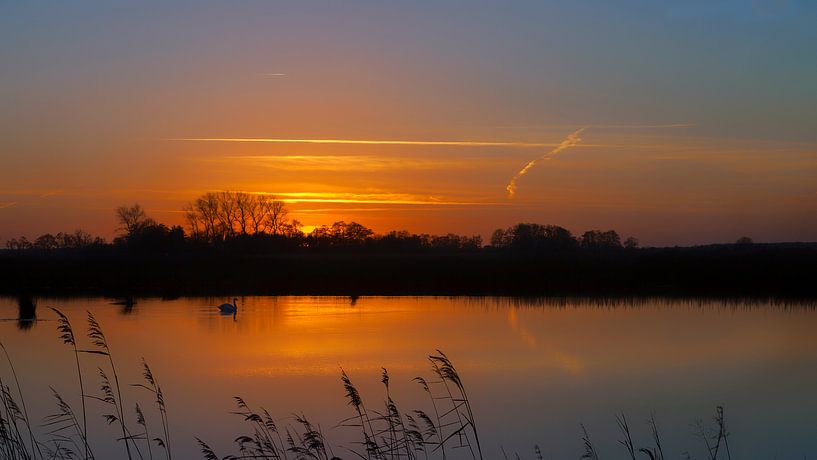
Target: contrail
{"type": "Point", "coordinates": [569, 141]}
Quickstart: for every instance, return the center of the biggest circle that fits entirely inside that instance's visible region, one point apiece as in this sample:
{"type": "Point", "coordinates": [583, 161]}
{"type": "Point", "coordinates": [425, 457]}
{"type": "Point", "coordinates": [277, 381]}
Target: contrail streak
{"type": "Point", "coordinates": [569, 141]}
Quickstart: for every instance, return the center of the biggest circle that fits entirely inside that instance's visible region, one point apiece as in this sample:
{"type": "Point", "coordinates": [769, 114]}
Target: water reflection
{"type": "Point", "coordinates": [535, 368]}
{"type": "Point", "coordinates": [27, 312]}
{"type": "Point", "coordinates": [127, 304]}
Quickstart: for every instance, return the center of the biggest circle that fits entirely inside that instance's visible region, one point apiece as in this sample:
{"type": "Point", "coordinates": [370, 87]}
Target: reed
{"type": "Point", "coordinates": [140, 420]}
{"type": "Point", "coordinates": [657, 452]}
{"type": "Point", "coordinates": [68, 338]}
{"type": "Point", "coordinates": [17, 414]}
{"type": "Point", "coordinates": [64, 428]}
{"type": "Point", "coordinates": [627, 442]}
{"type": "Point", "coordinates": [266, 440]}
{"type": "Point", "coordinates": [372, 450]}
{"type": "Point", "coordinates": [98, 339]}
{"type": "Point", "coordinates": [458, 399]}
{"type": "Point", "coordinates": [152, 385]}
{"type": "Point", "coordinates": [431, 429]}
{"type": "Point", "coordinates": [714, 438]}
{"type": "Point", "coordinates": [10, 416]}
{"type": "Point", "coordinates": [589, 449]}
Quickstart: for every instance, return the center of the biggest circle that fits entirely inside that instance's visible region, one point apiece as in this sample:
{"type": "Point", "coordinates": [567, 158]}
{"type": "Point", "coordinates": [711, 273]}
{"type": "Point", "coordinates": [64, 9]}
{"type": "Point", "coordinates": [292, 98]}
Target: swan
{"type": "Point", "coordinates": [228, 307]}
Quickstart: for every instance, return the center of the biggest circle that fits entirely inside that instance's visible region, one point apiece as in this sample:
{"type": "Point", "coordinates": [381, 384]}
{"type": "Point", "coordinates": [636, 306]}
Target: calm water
{"type": "Point", "coordinates": [534, 370]}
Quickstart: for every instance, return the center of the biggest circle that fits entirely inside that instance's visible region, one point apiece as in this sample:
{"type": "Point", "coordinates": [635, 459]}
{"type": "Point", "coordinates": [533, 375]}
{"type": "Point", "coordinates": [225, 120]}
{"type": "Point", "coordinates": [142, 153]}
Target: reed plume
{"type": "Point", "coordinates": [97, 338]}
{"type": "Point", "coordinates": [68, 338]}
{"type": "Point", "coordinates": [154, 387]}
{"type": "Point", "coordinates": [447, 373]}
{"type": "Point", "coordinates": [627, 442]}
{"type": "Point", "coordinates": [589, 449]}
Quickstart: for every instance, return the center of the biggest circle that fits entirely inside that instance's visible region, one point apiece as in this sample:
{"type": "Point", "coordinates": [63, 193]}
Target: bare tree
{"type": "Point", "coordinates": [216, 216]}
{"type": "Point", "coordinates": [203, 217]}
{"type": "Point", "coordinates": [227, 212]}
{"type": "Point", "coordinates": [194, 221]}
{"type": "Point", "coordinates": [132, 219]}
{"type": "Point", "coordinates": [274, 212]}
{"type": "Point", "coordinates": [244, 203]}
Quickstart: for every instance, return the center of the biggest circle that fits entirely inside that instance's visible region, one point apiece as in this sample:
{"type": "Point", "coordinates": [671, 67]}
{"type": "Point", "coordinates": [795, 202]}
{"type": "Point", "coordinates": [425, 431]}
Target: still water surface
{"type": "Point", "coordinates": [534, 370]}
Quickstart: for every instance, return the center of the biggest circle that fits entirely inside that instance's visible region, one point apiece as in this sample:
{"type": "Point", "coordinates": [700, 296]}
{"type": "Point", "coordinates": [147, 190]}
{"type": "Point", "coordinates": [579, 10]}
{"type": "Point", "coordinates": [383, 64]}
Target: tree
{"type": "Point", "coordinates": [228, 212]}
{"type": "Point", "coordinates": [18, 243]}
{"type": "Point", "coordinates": [341, 234]}
{"type": "Point", "coordinates": [62, 240]}
{"type": "Point", "coordinates": [46, 241]}
{"type": "Point", "coordinates": [77, 239]}
{"type": "Point", "coordinates": [132, 219]}
{"type": "Point", "coordinates": [158, 238]}
{"type": "Point", "coordinates": [273, 213]}
{"type": "Point", "coordinates": [744, 241]}
{"type": "Point", "coordinates": [292, 229]}
{"type": "Point", "coordinates": [631, 243]}
{"type": "Point", "coordinates": [534, 236]}
{"type": "Point", "coordinates": [597, 239]}
{"type": "Point", "coordinates": [216, 216]}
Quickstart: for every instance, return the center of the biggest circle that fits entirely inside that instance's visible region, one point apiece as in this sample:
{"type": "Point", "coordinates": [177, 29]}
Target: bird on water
{"type": "Point", "coordinates": [229, 307]}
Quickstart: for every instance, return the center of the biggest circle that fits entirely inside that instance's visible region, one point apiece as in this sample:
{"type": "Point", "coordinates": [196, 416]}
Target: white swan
{"type": "Point", "coordinates": [228, 307]}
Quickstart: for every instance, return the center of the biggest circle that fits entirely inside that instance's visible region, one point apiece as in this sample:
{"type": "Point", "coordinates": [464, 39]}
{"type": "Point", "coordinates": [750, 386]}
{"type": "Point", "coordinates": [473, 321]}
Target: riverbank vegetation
{"type": "Point", "coordinates": [236, 242]}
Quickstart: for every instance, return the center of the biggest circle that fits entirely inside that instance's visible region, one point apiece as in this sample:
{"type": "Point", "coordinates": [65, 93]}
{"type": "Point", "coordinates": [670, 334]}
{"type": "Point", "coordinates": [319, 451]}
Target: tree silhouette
{"type": "Point", "coordinates": [132, 219]}
{"type": "Point", "coordinates": [744, 241]}
{"type": "Point", "coordinates": [217, 216]}
{"type": "Point", "coordinates": [597, 239]}
{"type": "Point", "coordinates": [534, 236]}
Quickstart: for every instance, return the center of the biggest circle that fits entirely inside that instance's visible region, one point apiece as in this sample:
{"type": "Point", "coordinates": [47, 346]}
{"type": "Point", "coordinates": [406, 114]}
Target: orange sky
{"type": "Point", "coordinates": [688, 139]}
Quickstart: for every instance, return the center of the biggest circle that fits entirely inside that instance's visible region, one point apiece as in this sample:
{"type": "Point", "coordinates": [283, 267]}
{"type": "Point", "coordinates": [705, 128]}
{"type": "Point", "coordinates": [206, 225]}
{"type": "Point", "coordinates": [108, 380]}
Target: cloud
{"type": "Point", "coordinates": [659, 126]}
{"type": "Point", "coordinates": [367, 142]}
{"type": "Point", "coordinates": [540, 127]}
{"type": "Point", "coordinates": [7, 204]}
{"type": "Point", "coordinates": [369, 198]}
{"type": "Point", "coordinates": [274, 74]}
{"type": "Point", "coordinates": [345, 162]}
{"type": "Point", "coordinates": [569, 141]}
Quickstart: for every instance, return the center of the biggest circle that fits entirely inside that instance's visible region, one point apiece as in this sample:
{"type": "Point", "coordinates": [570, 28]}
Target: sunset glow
{"type": "Point", "coordinates": [404, 230]}
{"type": "Point", "coordinates": [701, 133]}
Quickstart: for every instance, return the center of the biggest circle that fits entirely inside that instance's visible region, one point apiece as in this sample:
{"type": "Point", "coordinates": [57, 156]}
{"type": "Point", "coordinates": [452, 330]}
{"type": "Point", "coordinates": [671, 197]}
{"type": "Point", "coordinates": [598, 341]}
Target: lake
{"type": "Point", "coordinates": [534, 370]}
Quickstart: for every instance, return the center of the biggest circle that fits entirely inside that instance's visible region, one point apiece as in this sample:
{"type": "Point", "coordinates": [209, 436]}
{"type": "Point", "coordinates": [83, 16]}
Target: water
{"type": "Point", "coordinates": [534, 370]}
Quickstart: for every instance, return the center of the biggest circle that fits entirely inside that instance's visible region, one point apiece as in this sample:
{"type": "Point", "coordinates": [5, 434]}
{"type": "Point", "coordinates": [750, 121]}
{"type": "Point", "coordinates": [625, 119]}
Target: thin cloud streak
{"type": "Point", "coordinates": [250, 140]}
{"type": "Point", "coordinates": [668, 125]}
{"type": "Point", "coordinates": [367, 142]}
{"type": "Point", "coordinates": [570, 141]}
{"type": "Point", "coordinates": [345, 162]}
{"type": "Point", "coordinates": [7, 205]}
{"type": "Point", "coordinates": [369, 198]}
{"type": "Point", "coordinates": [602, 125]}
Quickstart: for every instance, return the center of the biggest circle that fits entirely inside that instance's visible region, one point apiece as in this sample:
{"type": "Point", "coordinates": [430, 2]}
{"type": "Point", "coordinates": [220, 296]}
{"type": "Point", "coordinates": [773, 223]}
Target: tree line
{"type": "Point", "coordinates": [246, 221]}
{"type": "Point", "coordinates": [62, 240]}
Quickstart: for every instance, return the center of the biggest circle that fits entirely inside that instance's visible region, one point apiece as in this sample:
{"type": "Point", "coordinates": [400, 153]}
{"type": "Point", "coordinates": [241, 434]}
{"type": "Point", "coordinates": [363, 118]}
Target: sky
{"type": "Point", "coordinates": [684, 122]}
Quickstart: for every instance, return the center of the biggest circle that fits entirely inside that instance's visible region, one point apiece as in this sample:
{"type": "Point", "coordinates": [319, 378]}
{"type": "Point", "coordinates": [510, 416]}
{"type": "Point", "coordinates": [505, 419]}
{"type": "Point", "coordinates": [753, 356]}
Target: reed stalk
{"type": "Point", "coordinates": [68, 338]}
